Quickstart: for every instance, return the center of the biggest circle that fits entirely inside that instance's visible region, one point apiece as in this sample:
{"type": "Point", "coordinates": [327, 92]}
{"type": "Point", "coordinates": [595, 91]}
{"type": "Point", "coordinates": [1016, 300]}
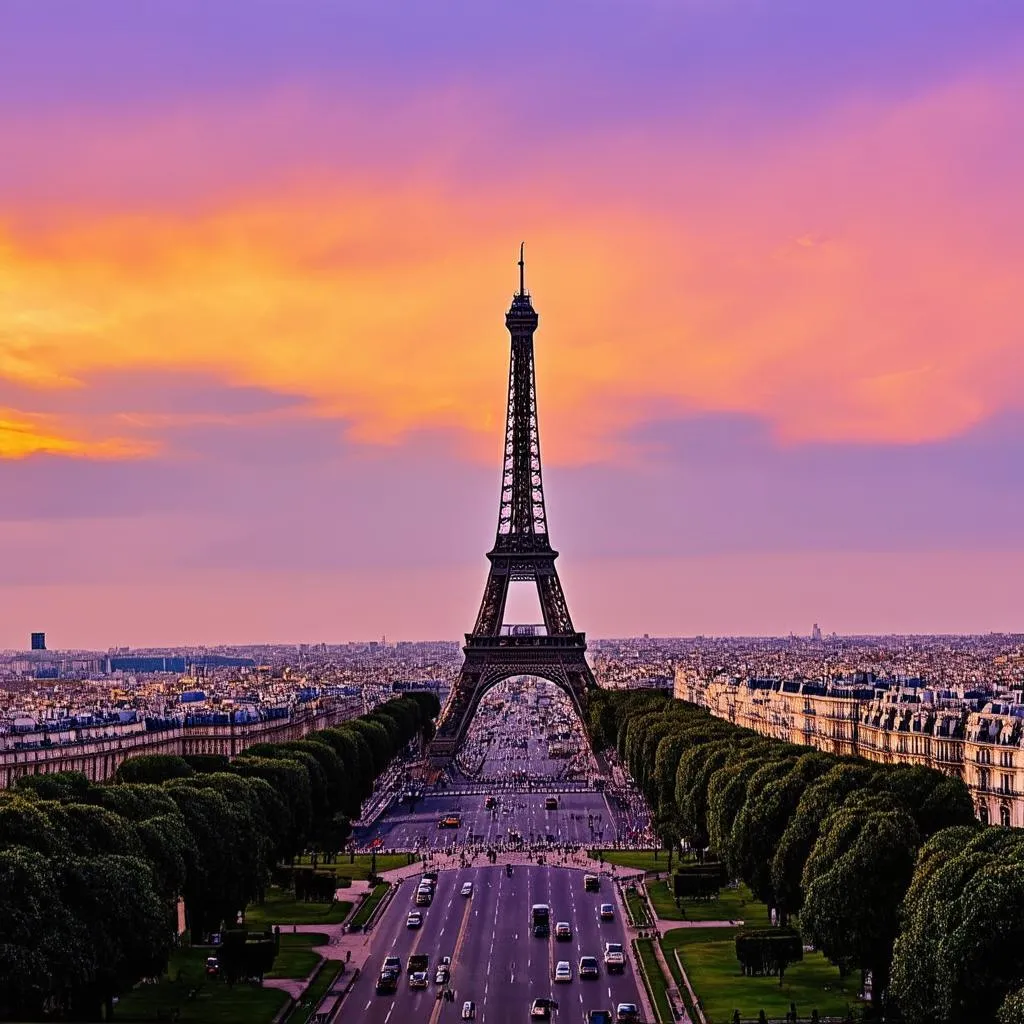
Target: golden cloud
{"type": "Point", "coordinates": [845, 286]}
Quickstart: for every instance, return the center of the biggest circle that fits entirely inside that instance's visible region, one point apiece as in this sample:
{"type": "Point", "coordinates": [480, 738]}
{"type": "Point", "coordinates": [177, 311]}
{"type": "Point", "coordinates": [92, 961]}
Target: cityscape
{"type": "Point", "coordinates": [719, 720]}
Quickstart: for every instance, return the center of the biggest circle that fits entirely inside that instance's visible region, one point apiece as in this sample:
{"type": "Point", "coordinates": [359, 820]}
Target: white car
{"type": "Point", "coordinates": [467, 888]}
{"type": "Point", "coordinates": [414, 920]}
{"type": "Point", "coordinates": [469, 1010]}
{"type": "Point", "coordinates": [563, 971]}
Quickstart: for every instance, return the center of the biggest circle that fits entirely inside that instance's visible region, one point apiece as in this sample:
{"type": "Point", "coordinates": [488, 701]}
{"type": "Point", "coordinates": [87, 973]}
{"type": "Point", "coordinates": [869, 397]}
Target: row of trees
{"type": "Point", "coordinates": [885, 866]}
{"type": "Point", "coordinates": [91, 874]}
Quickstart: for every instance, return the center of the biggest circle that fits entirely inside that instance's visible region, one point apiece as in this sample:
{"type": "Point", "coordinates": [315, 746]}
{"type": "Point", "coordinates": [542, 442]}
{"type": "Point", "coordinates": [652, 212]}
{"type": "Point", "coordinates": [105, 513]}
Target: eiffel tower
{"type": "Point", "coordinates": [522, 551]}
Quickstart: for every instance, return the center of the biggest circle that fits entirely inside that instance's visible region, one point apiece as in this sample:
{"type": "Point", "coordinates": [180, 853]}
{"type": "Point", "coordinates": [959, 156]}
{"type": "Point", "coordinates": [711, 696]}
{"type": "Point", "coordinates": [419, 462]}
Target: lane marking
{"type": "Point", "coordinates": [436, 1012]}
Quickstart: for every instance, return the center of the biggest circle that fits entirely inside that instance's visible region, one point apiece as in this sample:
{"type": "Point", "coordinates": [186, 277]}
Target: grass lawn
{"type": "Point", "coordinates": [638, 908]}
{"type": "Point", "coordinates": [732, 905]}
{"type": "Point", "coordinates": [296, 958]}
{"type": "Point", "coordinates": [366, 908]}
{"type": "Point", "coordinates": [280, 907]}
{"type": "Point", "coordinates": [677, 974]}
{"type": "Point", "coordinates": [214, 1003]}
{"type": "Point", "coordinates": [360, 867]}
{"type": "Point", "coordinates": [656, 987]}
{"type": "Point", "coordinates": [642, 860]}
{"type": "Point", "coordinates": [304, 1009]}
{"type": "Point", "coordinates": [709, 956]}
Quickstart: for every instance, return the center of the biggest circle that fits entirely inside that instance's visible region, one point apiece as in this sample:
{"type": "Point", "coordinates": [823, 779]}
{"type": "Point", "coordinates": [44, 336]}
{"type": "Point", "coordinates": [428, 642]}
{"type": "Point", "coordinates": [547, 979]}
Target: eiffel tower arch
{"type": "Point", "coordinates": [522, 552]}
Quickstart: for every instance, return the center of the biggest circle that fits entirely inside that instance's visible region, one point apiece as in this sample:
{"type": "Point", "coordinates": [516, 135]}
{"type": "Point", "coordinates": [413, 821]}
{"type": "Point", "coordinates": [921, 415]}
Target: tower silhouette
{"type": "Point", "coordinates": [522, 552]}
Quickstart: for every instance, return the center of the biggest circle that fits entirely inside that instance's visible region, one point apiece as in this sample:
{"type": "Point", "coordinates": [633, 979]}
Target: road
{"type": "Point", "coordinates": [582, 819]}
{"type": "Point", "coordinates": [496, 960]}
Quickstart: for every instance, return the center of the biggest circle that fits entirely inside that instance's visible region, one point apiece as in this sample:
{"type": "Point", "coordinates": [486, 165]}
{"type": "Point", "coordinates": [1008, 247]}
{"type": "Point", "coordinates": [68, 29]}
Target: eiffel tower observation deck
{"type": "Point", "coordinates": [522, 552]}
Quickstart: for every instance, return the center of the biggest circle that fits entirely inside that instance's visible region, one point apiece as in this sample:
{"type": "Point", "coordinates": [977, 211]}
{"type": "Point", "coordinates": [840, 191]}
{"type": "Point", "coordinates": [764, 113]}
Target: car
{"type": "Point", "coordinates": [592, 883]}
{"type": "Point", "coordinates": [607, 912]}
{"type": "Point", "coordinates": [387, 982]}
{"type": "Point", "coordinates": [563, 931]}
{"type": "Point", "coordinates": [469, 1010]}
{"type": "Point", "coordinates": [414, 920]}
{"type": "Point", "coordinates": [441, 975]}
{"type": "Point", "coordinates": [418, 980]}
{"type": "Point", "coordinates": [626, 1013]}
{"type": "Point", "coordinates": [212, 966]}
{"type": "Point", "coordinates": [599, 1017]}
{"type": "Point", "coordinates": [563, 971]}
{"type": "Point", "coordinates": [467, 888]}
{"type": "Point", "coordinates": [614, 957]}
{"type": "Point", "coordinates": [392, 962]}
{"type": "Point", "coordinates": [588, 967]}
{"type": "Point", "coordinates": [540, 1009]}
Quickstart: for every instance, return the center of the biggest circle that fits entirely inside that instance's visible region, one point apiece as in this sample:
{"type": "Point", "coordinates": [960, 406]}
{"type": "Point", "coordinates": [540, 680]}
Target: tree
{"type": "Point", "coordinates": [154, 768]}
{"type": "Point", "coordinates": [93, 830]}
{"type": "Point", "coordinates": [290, 781]}
{"type": "Point", "coordinates": [24, 822]}
{"type": "Point", "coordinates": [1011, 1010]}
{"type": "Point", "coordinates": [378, 740]}
{"type": "Point", "coordinates": [211, 892]}
{"type": "Point", "coordinates": [854, 882]}
{"type": "Point", "coordinates": [128, 938]}
{"type": "Point", "coordinates": [667, 827]}
{"type": "Point", "coordinates": [42, 949]}
{"type": "Point", "coordinates": [71, 786]}
{"type": "Point", "coordinates": [956, 958]}
{"type": "Point", "coordinates": [797, 841]}
{"type": "Point", "coordinates": [773, 796]}
{"type": "Point", "coordinates": [933, 799]}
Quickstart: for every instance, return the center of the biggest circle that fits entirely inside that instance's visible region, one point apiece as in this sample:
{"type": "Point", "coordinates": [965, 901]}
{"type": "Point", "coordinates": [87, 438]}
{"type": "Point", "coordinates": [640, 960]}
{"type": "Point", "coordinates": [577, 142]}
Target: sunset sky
{"type": "Point", "coordinates": [255, 257]}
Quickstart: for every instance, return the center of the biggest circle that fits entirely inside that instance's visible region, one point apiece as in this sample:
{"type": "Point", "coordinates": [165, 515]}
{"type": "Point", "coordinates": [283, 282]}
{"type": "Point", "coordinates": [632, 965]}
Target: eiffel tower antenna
{"type": "Point", "coordinates": [522, 553]}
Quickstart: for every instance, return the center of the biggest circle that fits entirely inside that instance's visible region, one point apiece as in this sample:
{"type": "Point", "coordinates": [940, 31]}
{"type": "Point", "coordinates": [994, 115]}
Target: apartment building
{"type": "Point", "coordinates": [971, 736]}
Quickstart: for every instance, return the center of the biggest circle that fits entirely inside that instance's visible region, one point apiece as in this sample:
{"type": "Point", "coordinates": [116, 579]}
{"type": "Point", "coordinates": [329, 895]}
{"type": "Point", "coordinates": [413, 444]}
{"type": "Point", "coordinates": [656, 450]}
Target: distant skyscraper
{"type": "Point", "coordinates": [816, 632]}
{"type": "Point", "coordinates": [38, 641]}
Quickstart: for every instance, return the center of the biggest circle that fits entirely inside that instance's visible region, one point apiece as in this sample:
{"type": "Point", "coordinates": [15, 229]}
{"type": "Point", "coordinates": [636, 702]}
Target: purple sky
{"type": "Point", "coordinates": [254, 259]}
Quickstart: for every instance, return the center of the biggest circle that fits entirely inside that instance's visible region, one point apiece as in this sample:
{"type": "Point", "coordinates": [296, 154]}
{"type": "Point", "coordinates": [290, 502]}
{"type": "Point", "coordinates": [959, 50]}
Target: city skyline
{"type": "Point", "coordinates": [252, 362]}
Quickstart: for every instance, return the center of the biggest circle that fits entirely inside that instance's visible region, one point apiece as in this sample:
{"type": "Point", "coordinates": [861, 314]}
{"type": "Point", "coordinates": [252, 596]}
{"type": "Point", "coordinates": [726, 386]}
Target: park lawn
{"type": "Point", "coordinates": [279, 906]}
{"type": "Point", "coordinates": [709, 956]}
{"type": "Point", "coordinates": [657, 988]}
{"type": "Point", "coordinates": [733, 904]}
{"type": "Point", "coordinates": [302, 1012]}
{"type": "Point", "coordinates": [359, 869]}
{"type": "Point", "coordinates": [295, 958]}
{"type": "Point", "coordinates": [368, 905]}
{"type": "Point", "coordinates": [642, 860]}
{"type": "Point", "coordinates": [215, 1002]}
{"type": "Point", "coordinates": [638, 908]}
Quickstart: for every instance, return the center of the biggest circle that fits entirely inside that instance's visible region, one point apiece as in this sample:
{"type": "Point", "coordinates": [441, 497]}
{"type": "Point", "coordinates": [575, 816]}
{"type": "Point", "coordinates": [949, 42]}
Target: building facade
{"type": "Point", "coordinates": [98, 752]}
{"type": "Point", "coordinates": [978, 741]}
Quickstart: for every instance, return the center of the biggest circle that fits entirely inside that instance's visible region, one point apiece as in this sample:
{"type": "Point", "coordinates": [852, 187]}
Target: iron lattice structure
{"type": "Point", "coordinates": [522, 552]}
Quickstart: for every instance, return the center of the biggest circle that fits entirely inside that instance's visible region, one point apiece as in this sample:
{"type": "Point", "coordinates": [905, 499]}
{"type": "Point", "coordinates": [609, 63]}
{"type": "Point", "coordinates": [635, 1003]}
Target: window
{"type": "Point", "coordinates": [1006, 783]}
{"type": "Point", "coordinates": [1004, 816]}
{"type": "Point", "coordinates": [983, 813]}
{"type": "Point", "coordinates": [983, 778]}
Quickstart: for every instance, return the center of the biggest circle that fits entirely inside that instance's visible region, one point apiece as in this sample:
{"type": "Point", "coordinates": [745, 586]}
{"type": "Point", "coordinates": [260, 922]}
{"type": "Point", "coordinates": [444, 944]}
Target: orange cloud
{"type": "Point", "coordinates": [22, 435]}
{"type": "Point", "coordinates": [849, 284]}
